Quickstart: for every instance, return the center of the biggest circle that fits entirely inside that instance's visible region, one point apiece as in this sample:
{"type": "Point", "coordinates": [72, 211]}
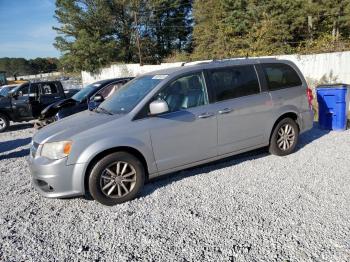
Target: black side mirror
{"type": "Point", "coordinates": [98, 98]}
{"type": "Point", "coordinates": [15, 95]}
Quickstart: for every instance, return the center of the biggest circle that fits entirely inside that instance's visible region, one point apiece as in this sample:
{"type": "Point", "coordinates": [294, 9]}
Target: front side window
{"type": "Point", "coordinates": [233, 82]}
{"type": "Point", "coordinates": [186, 92]}
{"type": "Point", "coordinates": [129, 95]}
{"type": "Point", "coordinates": [279, 76]}
{"type": "Point", "coordinates": [23, 91]}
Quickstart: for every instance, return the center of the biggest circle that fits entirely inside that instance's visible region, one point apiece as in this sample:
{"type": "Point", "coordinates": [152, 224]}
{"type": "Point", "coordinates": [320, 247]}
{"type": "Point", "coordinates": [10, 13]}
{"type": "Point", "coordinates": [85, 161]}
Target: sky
{"type": "Point", "coordinates": [26, 28]}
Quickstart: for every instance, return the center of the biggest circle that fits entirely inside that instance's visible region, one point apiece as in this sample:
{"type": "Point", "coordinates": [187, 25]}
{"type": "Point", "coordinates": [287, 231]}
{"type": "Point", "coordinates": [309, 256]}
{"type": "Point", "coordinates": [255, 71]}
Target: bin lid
{"type": "Point", "coordinates": [334, 86]}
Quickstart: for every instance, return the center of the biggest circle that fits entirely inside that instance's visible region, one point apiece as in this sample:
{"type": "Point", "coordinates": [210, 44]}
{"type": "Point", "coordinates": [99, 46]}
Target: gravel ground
{"type": "Point", "coordinates": [252, 207]}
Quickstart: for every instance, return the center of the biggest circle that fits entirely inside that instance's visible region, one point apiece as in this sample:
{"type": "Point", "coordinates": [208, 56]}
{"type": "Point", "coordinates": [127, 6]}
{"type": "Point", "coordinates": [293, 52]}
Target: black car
{"type": "Point", "coordinates": [25, 102]}
{"type": "Point", "coordinates": [87, 98]}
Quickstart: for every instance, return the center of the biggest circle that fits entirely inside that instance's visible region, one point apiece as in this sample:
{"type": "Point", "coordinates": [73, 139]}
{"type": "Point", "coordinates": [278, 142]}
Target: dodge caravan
{"type": "Point", "coordinates": [169, 120]}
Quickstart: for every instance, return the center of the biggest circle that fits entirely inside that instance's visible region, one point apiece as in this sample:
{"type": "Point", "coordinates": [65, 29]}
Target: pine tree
{"type": "Point", "coordinates": [85, 35]}
{"type": "Point", "coordinates": [167, 28]}
{"type": "Point", "coordinates": [208, 19]}
{"type": "Point", "coordinates": [229, 28]}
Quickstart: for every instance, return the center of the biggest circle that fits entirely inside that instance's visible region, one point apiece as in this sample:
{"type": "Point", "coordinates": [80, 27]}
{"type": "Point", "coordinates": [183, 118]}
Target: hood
{"type": "Point", "coordinates": [71, 126]}
{"type": "Point", "coordinates": [52, 109]}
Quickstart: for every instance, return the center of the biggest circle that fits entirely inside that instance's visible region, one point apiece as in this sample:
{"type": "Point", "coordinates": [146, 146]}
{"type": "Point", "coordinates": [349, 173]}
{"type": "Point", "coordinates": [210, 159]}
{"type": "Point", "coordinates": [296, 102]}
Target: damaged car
{"type": "Point", "coordinates": [87, 98]}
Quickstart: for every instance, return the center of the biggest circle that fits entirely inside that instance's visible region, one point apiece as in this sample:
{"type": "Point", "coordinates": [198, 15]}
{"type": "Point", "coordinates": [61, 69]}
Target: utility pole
{"type": "Point", "coordinates": [137, 37]}
{"type": "Point", "coordinates": [310, 24]}
{"type": "Point", "coordinates": [310, 27]}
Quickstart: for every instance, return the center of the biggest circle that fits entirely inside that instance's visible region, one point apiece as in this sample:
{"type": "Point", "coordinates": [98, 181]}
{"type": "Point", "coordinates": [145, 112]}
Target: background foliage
{"type": "Point", "coordinates": [21, 66]}
{"type": "Point", "coordinates": [95, 33]}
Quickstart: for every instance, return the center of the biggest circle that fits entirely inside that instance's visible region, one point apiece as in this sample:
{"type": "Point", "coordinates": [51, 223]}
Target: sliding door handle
{"type": "Point", "coordinates": [225, 111]}
{"type": "Point", "coordinates": [206, 115]}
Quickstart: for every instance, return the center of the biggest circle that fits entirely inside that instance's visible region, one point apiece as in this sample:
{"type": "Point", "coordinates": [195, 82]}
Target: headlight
{"type": "Point", "coordinates": [56, 150]}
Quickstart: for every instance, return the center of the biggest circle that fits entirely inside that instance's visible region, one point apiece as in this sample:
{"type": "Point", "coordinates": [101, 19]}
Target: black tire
{"type": "Point", "coordinates": [96, 182]}
{"type": "Point", "coordinates": [4, 123]}
{"type": "Point", "coordinates": [275, 146]}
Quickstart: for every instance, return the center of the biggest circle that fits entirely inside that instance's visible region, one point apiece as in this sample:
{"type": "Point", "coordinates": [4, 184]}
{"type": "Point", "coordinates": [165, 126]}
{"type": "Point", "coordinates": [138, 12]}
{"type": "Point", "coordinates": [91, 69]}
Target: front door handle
{"type": "Point", "coordinates": [225, 111]}
{"type": "Point", "coordinates": [206, 115]}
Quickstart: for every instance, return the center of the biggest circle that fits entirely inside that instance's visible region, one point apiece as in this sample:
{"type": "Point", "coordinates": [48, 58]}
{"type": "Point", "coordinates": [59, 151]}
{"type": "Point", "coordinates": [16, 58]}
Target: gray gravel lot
{"type": "Point", "coordinates": [252, 207]}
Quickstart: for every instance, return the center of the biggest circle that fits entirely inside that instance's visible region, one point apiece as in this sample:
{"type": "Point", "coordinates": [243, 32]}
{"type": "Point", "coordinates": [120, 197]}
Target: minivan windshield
{"type": "Point", "coordinates": [129, 95]}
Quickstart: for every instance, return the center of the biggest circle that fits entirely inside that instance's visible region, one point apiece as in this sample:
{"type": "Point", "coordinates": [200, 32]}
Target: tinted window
{"type": "Point", "coordinates": [234, 82]}
{"type": "Point", "coordinates": [279, 76]}
{"type": "Point", "coordinates": [48, 89]}
{"type": "Point", "coordinates": [85, 92]}
{"type": "Point", "coordinates": [185, 92]}
{"type": "Point", "coordinates": [23, 91]}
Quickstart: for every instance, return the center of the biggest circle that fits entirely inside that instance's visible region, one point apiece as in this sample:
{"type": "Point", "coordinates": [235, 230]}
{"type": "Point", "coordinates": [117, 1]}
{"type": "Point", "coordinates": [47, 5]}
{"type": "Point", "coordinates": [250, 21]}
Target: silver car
{"type": "Point", "coordinates": [170, 120]}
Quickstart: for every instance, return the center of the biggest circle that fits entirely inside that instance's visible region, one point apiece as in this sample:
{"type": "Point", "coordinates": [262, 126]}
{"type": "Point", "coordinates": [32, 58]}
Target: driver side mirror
{"type": "Point", "coordinates": [158, 107]}
{"type": "Point", "coordinates": [98, 98]}
{"type": "Point", "coordinates": [15, 96]}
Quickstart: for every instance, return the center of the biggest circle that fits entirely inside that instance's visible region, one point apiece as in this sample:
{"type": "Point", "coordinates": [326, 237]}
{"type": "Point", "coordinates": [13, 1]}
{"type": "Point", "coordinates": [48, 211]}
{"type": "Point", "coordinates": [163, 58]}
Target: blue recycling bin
{"type": "Point", "coordinates": [333, 103]}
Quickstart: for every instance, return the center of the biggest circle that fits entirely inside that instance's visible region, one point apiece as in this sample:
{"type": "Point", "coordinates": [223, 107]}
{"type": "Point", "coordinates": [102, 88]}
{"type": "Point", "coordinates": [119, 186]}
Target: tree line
{"type": "Point", "coordinates": [229, 28]}
{"type": "Point", "coordinates": [22, 66]}
{"type": "Point", "coordinates": [95, 33]}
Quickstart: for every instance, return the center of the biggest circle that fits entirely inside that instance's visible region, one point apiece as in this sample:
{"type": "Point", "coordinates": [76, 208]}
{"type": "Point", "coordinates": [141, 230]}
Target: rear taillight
{"type": "Point", "coordinates": [310, 96]}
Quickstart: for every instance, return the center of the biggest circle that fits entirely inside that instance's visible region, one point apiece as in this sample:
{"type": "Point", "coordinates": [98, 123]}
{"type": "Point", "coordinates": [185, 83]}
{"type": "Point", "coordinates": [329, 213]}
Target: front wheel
{"type": "Point", "coordinates": [116, 178]}
{"type": "Point", "coordinates": [4, 123]}
{"type": "Point", "coordinates": [284, 137]}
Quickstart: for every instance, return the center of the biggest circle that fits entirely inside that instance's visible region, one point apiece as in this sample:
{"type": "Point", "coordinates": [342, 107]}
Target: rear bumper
{"type": "Point", "coordinates": [306, 120]}
{"type": "Point", "coordinates": [55, 179]}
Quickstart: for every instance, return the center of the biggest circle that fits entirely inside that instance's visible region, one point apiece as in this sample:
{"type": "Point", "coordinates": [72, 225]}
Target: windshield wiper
{"type": "Point", "coordinates": [103, 110]}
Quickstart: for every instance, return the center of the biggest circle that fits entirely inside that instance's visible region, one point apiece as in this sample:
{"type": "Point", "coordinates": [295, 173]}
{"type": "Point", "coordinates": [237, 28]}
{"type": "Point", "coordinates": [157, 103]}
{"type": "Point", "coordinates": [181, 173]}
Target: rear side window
{"type": "Point", "coordinates": [233, 82]}
{"type": "Point", "coordinates": [48, 89]}
{"type": "Point", "coordinates": [279, 76]}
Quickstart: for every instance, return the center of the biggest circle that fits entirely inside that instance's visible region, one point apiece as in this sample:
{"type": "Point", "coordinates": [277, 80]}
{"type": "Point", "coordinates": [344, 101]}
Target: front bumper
{"type": "Point", "coordinates": [56, 179]}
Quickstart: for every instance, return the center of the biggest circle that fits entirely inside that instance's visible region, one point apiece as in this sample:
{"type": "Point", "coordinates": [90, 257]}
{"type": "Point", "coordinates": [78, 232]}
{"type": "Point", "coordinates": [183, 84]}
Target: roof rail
{"type": "Point", "coordinates": [197, 62]}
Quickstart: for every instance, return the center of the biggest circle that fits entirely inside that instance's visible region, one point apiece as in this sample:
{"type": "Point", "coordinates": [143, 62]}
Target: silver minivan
{"type": "Point", "coordinates": [169, 120]}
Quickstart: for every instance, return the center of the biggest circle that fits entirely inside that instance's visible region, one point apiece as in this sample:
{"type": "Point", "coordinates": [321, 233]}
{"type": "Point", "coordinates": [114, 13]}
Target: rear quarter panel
{"type": "Point", "coordinates": [292, 100]}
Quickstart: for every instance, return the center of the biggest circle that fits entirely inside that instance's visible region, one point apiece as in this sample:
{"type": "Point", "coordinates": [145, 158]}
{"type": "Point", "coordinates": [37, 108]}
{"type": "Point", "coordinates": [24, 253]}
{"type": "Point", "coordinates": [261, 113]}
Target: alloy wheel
{"type": "Point", "coordinates": [118, 179]}
{"type": "Point", "coordinates": [285, 137]}
{"type": "Point", "coordinates": [2, 123]}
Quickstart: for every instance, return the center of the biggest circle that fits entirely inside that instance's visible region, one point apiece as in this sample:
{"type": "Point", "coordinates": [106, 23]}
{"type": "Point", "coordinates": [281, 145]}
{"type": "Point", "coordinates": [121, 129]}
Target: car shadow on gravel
{"type": "Point", "coordinates": [155, 183]}
{"type": "Point", "coordinates": [13, 144]}
{"type": "Point", "coordinates": [310, 136]}
{"type": "Point", "coordinates": [164, 180]}
{"type": "Point", "coordinates": [18, 127]}
{"type": "Point", "coordinates": [16, 154]}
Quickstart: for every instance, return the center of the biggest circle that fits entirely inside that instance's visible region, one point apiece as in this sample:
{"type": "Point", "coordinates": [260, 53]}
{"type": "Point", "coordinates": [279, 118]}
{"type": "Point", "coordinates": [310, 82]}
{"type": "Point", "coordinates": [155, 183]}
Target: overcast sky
{"type": "Point", "coordinates": [26, 28]}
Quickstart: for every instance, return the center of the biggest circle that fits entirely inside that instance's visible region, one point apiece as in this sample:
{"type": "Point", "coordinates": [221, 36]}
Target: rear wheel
{"type": "Point", "coordinates": [4, 123]}
{"type": "Point", "coordinates": [116, 178]}
{"type": "Point", "coordinates": [284, 137]}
